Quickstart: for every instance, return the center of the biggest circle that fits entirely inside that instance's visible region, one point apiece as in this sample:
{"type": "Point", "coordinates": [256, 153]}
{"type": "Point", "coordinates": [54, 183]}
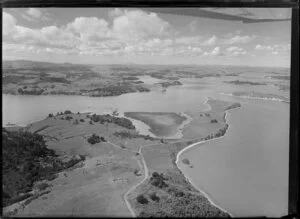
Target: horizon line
{"type": "Point", "coordinates": [129, 63]}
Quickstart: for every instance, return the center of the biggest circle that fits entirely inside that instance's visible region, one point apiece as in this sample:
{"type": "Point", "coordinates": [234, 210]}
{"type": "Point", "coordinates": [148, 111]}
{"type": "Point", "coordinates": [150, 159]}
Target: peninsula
{"type": "Point", "coordinates": [119, 172]}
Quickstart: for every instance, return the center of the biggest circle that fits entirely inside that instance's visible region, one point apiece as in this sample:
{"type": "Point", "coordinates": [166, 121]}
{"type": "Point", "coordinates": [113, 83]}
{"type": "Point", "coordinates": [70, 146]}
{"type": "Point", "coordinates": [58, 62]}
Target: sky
{"type": "Point", "coordinates": [141, 36]}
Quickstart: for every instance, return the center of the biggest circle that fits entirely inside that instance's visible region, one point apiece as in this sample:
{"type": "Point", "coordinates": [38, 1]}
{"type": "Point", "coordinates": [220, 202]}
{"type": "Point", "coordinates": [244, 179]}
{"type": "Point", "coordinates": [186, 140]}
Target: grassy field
{"type": "Point", "coordinates": [97, 187]}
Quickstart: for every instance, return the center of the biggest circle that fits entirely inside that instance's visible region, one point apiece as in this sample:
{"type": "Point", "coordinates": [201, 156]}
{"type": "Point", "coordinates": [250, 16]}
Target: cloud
{"type": "Point", "coordinates": [35, 14]}
{"type": "Point", "coordinates": [127, 32]}
{"type": "Point", "coordinates": [239, 39]}
{"type": "Point", "coordinates": [235, 51]}
{"type": "Point", "coordinates": [211, 41]}
{"type": "Point", "coordinates": [274, 49]}
{"type": "Point", "coordinates": [136, 25]}
{"type": "Point", "coordinates": [215, 52]}
{"type": "Point", "coordinates": [193, 25]}
{"type": "Point", "coordinates": [89, 28]}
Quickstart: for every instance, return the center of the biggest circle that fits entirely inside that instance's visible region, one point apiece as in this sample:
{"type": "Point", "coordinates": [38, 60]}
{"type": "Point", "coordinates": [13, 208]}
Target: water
{"type": "Point", "coordinates": [246, 172]}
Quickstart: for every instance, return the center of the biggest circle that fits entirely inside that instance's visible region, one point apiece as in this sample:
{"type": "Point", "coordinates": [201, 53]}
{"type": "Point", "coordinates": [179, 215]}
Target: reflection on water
{"type": "Point", "coordinates": [245, 172]}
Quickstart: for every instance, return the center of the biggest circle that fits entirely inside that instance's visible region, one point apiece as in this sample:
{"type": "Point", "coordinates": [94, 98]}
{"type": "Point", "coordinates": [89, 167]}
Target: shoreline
{"type": "Point", "coordinates": [258, 98]}
{"type": "Point", "coordinates": [190, 180]}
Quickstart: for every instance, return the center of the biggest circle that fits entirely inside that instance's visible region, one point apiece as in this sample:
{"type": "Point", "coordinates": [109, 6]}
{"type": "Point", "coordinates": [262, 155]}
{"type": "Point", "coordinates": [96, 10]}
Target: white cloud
{"type": "Point", "coordinates": [239, 39]}
{"type": "Point", "coordinates": [215, 52]}
{"type": "Point", "coordinates": [89, 28]}
{"type": "Point", "coordinates": [8, 23]}
{"type": "Point", "coordinates": [136, 25]}
{"type": "Point", "coordinates": [235, 51]}
{"type": "Point", "coordinates": [188, 40]}
{"type": "Point", "coordinates": [35, 14]}
{"type": "Point", "coordinates": [193, 25]}
{"type": "Point", "coordinates": [274, 49]}
{"type": "Point", "coordinates": [211, 41]}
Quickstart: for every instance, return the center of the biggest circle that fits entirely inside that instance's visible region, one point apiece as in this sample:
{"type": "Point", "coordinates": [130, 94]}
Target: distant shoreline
{"type": "Point", "coordinates": [257, 98]}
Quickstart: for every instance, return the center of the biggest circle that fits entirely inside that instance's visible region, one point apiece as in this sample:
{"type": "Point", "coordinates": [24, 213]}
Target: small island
{"type": "Point", "coordinates": [168, 83]}
{"type": "Point", "coordinates": [238, 82]}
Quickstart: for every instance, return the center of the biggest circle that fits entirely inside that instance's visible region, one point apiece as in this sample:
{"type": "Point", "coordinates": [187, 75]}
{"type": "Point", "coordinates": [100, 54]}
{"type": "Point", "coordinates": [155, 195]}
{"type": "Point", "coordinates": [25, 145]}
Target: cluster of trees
{"type": "Point", "coordinates": [67, 112]}
{"type": "Point", "coordinates": [26, 159]}
{"type": "Point", "coordinates": [116, 90]}
{"type": "Point", "coordinates": [124, 122]}
{"type": "Point", "coordinates": [33, 91]}
{"type": "Point", "coordinates": [126, 134]}
{"type": "Point", "coordinates": [182, 204]}
{"type": "Point", "coordinates": [158, 180]}
{"type": "Point", "coordinates": [55, 80]}
{"type": "Point", "coordinates": [94, 139]}
{"type": "Point", "coordinates": [154, 197]}
{"type": "Point", "coordinates": [167, 84]}
{"type": "Point", "coordinates": [213, 121]}
{"type": "Point", "coordinates": [68, 117]}
{"type": "Point", "coordinates": [235, 105]}
{"type": "Point", "coordinates": [220, 133]}
{"type": "Point", "coordinates": [142, 199]}
{"type": "Point", "coordinates": [244, 82]}
{"type": "Point", "coordinates": [130, 78]}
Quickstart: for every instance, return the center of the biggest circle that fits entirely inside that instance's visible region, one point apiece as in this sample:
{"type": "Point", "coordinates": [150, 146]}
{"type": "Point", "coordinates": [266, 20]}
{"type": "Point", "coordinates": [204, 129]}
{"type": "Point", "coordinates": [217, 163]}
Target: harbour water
{"type": "Point", "coordinates": [245, 172]}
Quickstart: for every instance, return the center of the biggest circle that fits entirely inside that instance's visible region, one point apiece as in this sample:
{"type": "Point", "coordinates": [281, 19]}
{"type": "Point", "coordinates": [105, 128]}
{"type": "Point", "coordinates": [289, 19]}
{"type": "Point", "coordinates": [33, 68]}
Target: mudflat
{"type": "Point", "coordinates": [161, 124]}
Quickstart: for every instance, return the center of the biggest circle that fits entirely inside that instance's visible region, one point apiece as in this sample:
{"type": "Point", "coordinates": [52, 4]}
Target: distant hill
{"type": "Point", "coordinates": [15, 64]}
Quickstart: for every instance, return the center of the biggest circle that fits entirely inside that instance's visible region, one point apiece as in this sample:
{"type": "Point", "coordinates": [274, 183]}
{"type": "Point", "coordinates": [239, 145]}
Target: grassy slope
{"type": "Point", "coordinates": [97, 188]}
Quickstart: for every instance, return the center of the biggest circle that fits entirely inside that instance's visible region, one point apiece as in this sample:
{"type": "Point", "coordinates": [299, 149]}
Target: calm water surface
{"type": "Point", "coordinates": [245, 172]}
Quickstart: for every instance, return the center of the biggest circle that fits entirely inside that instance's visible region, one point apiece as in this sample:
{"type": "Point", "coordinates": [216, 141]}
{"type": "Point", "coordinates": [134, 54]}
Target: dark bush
{"type": "Point", "coordinates": [213, 121]}
{"type": "Point", "coordinates": [123, 122]}
{"type": "Point", "coordinates": [158, 180]}
{"type": "Point", "coordinates": [81, 120]}
{"type": "Point", "coordinates": [154, 197]}
{"type": "Point", "coordinates": [69, 117]}
{"type": "Point", "coordinates": [94, 139]}
{"type": "Point", "coordinates": [141, 199]}
{"type": "Point", "coordinates": [67, 112]}
{"type": "Point", "coordinates": [43, 186]}
{"type": "Point", "coordinates": [186, 161]}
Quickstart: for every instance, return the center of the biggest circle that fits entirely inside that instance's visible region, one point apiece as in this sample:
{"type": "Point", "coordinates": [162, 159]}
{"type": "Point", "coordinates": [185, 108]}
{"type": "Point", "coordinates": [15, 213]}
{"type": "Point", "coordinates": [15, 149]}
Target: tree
{"type": "Point", "coordinates": [154, 197]}
{"type": "Point", "coordinates": [141, 199]}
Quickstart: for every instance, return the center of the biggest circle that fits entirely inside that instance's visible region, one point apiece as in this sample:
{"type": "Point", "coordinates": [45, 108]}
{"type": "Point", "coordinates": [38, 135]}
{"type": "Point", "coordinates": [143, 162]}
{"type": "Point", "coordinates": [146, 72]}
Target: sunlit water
{"type": "Point", "coordinates": [246, 172]}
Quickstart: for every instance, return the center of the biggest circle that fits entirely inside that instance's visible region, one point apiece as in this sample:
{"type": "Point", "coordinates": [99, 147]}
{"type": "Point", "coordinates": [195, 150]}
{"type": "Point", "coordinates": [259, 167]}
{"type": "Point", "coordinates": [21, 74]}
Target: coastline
{"type": "Point", "coordinates": [189, 179]}
{"type": "Point", "coordinates": [257, 98]}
